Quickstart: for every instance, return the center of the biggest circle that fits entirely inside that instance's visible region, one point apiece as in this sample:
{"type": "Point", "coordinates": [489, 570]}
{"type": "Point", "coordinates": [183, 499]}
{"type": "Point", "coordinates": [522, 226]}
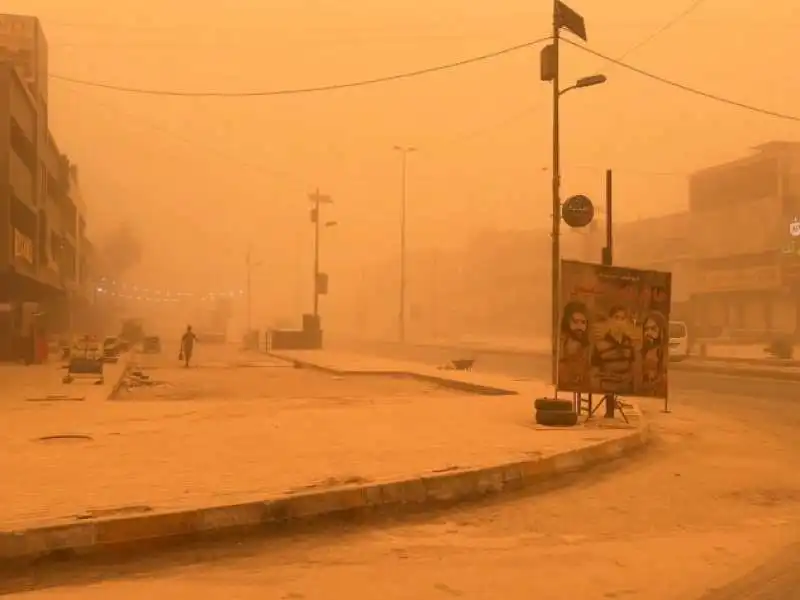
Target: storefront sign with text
{"type": "Point", "coordinates": [23, 246]}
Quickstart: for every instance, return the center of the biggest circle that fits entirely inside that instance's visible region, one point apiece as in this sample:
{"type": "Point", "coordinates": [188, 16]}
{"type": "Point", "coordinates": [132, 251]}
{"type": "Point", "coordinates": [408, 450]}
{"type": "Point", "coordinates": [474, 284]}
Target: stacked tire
{"type": "Point", "coordinates": [555, 412]}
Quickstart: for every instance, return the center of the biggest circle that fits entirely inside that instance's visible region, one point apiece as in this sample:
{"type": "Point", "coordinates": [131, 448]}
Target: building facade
{"type": "Point", "coordinates": [747, 261]}
{"type": "Point", "coordinates": [40, 222]}
{"type": "Point", "coordinates": [499, 284]}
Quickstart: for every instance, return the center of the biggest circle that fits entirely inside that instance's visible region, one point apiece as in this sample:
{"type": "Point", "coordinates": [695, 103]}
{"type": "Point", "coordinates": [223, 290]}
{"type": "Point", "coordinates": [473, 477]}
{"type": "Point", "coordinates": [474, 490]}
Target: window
{"type": "Point", "coordinates": [52, 186]}
{"type": "Point", "coordinates": [43, 253]}
{"type": "Point", "coordinates": [55, 246]}
{"type": "Point", "coordinates": [23, 147]}
{"type": "Point", "coordinates": [677, 330]}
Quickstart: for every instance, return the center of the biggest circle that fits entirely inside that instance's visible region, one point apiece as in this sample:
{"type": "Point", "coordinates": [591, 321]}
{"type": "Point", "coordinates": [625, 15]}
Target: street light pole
{"type": "Point", "coordinates": [249, 262]}
{"type": "Point", "coordinates": [317, 200]}
{"type": "Point", "coordinates": [316, 254]}
{"type": "Point", "coordinates": [401, 317]}
{"type": "Point", "coordinates": [563, 17]}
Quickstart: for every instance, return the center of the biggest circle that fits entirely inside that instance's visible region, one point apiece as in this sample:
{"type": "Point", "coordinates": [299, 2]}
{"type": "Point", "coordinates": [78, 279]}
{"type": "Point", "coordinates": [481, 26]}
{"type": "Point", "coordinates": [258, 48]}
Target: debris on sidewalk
{"type": "Point", "coordinates": [66, 437]}
{"type": "Point", "coordinates": [56, 398]}
{"type": "Point", "coordinates": [104, 513]}
{"type": "Point", "coordinates": [459, 364]}
{"type": "Point", "coordinates": [329, 482]}
{"type": "Point", "coordinates": [138, 378]}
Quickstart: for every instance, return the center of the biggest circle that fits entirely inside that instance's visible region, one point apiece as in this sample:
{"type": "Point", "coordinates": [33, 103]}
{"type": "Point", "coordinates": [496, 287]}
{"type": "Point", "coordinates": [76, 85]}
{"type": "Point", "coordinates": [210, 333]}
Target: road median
{"type": "Point", "coordinates": [776, 369]}
{"type": "Point", "coordinates": [87, 537]}
{"type": "Point", "coordinates": [350, 364]}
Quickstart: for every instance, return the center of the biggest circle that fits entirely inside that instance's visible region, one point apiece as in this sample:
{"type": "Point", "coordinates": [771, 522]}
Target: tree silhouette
{"type": "Point", "coordinates": [120, 250]}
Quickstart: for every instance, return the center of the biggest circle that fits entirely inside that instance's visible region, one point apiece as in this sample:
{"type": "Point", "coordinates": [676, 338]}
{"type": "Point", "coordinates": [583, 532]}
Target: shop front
{"type": "Point", "coordinates": [21, 317]}
{"type": "Point", "coordinates": [744, 302]}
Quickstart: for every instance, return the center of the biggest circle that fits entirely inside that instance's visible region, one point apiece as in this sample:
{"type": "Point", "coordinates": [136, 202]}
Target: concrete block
{"type": "Point", "coordinates": [126, 530]}
{"type": "Point", "coordinates": [325, 502]}
{"type": "Point", "coordinates": [448, 487]}
{"type": "Point", "coordinates": [219, 518]}
{"type": "Point", "coordinates": [409, 491]}
{"type": "Point", "coordinates": [47, 540]}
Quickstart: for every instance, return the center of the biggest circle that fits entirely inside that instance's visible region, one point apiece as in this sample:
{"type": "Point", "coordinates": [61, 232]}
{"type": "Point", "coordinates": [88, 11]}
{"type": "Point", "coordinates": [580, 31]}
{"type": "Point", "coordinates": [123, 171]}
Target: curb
{"type": "Point", "coordinates": [685, 366]}
{"type": "Point", "coordinates": [121, 379]}
{"type": "Point", "coordinates": [92, 538]}
{"type": "Point", "coordinates": [735, 371]}
{"type": "Point", "coordinates": [455, 384]}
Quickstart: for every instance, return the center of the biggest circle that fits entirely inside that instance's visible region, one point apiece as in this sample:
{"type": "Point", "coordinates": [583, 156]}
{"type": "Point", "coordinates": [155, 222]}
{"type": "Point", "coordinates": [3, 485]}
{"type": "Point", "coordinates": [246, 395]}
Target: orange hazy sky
{"type": "Point", "coordinates": [202, 177]}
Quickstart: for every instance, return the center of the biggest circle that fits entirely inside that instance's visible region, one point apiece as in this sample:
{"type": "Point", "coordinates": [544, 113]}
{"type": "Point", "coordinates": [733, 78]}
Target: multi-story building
{"type": "Point", "coordinates": [500, 283]}
{"type": "Point", "coordinates": [40, 221]}
{"type": "Point", "coordinates": [741, 212]}
{"type": "Point", "coordinates": [661, 243]}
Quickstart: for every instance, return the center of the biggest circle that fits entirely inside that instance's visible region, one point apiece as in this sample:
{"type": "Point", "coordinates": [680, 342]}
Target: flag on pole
{"type": "Point", "coordinates": [568, 19]}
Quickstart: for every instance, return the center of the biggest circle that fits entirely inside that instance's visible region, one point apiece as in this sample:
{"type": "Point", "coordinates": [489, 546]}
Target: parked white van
{"type": "Point", "coordinates": [678, 340]}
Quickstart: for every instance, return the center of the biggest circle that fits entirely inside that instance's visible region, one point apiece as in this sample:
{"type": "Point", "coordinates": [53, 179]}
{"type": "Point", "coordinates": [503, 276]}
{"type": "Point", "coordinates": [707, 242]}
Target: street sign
{"type": "Point", "coordinates": [577, 211]}
{"type": "Point", "coordinates": [794, 228]}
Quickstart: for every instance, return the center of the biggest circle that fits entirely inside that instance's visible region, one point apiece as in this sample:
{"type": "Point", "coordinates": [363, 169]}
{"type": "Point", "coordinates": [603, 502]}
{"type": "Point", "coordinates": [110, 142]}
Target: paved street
{"type": "Point", "coordinates": [537, 366]}
{"type": "Point", "coordinates": [717, 497]}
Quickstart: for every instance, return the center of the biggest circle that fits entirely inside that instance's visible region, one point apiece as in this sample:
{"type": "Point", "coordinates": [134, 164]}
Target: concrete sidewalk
{"type": "Point", "coordinates": [37, 382]}
{"type": "Point", "coordinates": [92, 475]}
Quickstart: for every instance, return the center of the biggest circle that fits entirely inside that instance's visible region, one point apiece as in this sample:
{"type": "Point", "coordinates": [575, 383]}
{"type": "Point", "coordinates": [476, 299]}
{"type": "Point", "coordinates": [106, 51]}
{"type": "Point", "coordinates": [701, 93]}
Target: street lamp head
{"type": "Point", "coordinates": [590, 81]}
{"type": "Point", "coordinates": [331, 224]}
{"type": "Point", "coordinates": [405, 148]}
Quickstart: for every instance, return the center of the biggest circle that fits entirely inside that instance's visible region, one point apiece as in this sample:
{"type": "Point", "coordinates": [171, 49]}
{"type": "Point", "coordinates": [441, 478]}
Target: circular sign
{"type": "Point", "coordinates": [577, 211]}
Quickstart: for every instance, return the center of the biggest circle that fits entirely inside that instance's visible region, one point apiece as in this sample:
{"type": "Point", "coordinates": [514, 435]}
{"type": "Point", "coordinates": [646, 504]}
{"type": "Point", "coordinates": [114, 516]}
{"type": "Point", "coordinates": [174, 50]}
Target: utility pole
{"type": "Point", "coordinates": [401, 316]}
{"type": "Point", "coordinates": [317, 200]}
{"type": "Point", "coordinates": [555, 292]}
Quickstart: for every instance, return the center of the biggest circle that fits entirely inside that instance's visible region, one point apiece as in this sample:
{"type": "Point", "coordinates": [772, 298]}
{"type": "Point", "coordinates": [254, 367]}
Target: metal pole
{"type": "Point", "coordinates": [608, 255]}
{"type": "Point", "coordinates": [401, 321]}
{"type": "Point", "coordinates": [316, 252]}
{"type": "Point", "coordinates": [608, 260]}
{"type": "Point", "coordinates": [556, 232]}
{"type": "Point", "coordinates": [249, 290]}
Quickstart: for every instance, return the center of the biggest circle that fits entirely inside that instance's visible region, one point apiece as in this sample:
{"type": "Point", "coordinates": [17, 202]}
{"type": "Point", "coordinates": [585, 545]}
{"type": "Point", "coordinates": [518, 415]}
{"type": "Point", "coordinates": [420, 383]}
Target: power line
{"type": "Point", "coordinates": [472, 134]}
{"type": "Point", "coordinates": [667, 26]}
{"type": "Point", "coordinates": [307, 90]}
{"type": "Point", "coordinates": [685, 88]}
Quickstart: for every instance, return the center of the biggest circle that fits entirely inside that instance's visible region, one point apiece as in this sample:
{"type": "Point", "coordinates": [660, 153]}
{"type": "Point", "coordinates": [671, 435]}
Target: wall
{"type": "Point", "coordinates": [18, 171]}
{"type": "Point", "coordinates": [5, 188]}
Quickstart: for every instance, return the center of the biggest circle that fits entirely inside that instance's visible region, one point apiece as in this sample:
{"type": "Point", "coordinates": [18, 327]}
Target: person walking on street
{"type": "Point", "coordinates": [187, 345]}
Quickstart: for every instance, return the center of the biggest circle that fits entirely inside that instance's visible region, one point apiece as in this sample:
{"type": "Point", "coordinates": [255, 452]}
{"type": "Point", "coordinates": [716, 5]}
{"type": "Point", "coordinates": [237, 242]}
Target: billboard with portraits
{"type": "Point", "coordinates": [613, 330]}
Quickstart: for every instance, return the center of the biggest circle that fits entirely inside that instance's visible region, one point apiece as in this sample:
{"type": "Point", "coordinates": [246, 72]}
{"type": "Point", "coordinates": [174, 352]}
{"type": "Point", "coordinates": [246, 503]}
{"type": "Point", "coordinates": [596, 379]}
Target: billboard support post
{"type": "Point", "coordinates": [608, 260]}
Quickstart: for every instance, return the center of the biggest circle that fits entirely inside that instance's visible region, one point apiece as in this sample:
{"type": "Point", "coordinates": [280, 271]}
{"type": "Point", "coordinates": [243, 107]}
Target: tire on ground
{"type": "Point", "coordinates": [556, 418]}
{"type": "Point", "coordinates": [554, 404]}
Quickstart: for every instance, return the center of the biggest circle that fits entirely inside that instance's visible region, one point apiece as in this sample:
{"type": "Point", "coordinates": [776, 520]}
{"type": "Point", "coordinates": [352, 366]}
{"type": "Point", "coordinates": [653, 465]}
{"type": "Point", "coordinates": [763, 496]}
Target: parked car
{"type": "Point", "coordinates": [678, 341]}
{"type": "Point", "coordinates": [132, 331]}
{"type": "Point", "coordinates": [151, 344]}
{"type": "Point", "coordinates": [112, 348]}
